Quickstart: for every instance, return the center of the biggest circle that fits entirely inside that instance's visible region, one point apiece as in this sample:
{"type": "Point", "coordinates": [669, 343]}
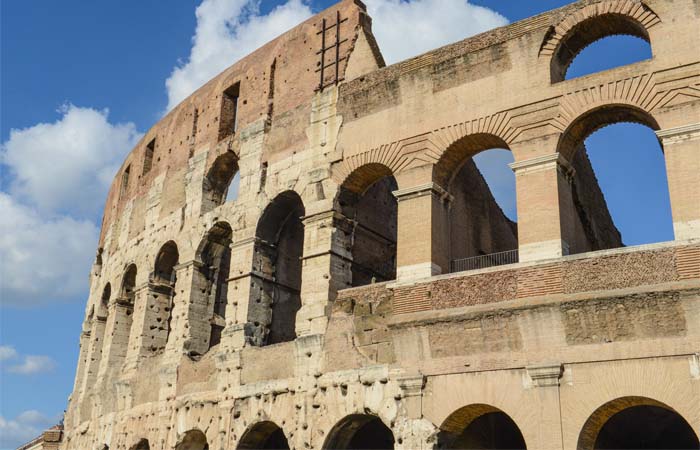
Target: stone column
{"type": "Point", "coordinates": [412, 430]}
{"type": "Point", "coordinates": [183, 335]}
{"type": "Point", "coordinates": [682, 152]}
{"type": "Point", "coordinates": [545, 378]}
{"type": "Point", "coordinates": [240, 285]}
{"type": "Point", "coordinates": [423, 232]}
{"type": "Point", "coordinates": [149, 330]}
{"type": "Point", "coordinates": [545, 208]}
{"type": "Point", "coordinates": [326, 268]}
{"type": "Point", "coordinates": [116, 341]}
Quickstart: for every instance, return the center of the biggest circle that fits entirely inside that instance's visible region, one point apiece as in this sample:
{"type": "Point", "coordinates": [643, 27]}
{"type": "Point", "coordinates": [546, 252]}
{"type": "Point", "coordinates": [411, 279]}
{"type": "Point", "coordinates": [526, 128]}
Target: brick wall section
{"type": "Point", "coordinates": [597, 273]}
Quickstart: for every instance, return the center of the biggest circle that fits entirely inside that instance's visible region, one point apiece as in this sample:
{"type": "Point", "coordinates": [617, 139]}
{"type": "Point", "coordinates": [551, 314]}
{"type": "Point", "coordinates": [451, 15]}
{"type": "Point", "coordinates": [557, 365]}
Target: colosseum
{"type": "Point", "coordinates": [303, 254]}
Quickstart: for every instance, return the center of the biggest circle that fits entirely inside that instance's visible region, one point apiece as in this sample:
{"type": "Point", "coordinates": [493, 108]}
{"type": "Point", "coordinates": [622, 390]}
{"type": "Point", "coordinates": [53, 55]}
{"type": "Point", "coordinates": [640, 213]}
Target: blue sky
{"type": "Point", "coordinates": [98, 71]}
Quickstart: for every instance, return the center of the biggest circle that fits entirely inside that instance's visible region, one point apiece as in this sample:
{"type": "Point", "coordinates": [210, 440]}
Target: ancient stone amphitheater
{"type": "Point", "coordinates": [303, 254]}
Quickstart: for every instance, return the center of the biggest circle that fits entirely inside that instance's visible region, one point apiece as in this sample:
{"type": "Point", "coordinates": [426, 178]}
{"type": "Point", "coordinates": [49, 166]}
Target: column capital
{"type": "Point", "coordinates": [541, 163]}
{"type": "Point", "coordinates": [679, 134]}
{"type": "Point", "coordinates": [543, 375]}
{"type": "Point", "coordinates": [243, 242]}
{"type": "Point", "coordinates": [422, 190]}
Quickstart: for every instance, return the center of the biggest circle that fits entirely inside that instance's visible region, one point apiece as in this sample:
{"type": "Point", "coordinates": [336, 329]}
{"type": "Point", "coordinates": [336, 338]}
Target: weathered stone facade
{"type": "Point", "coordinates": [318, 308]}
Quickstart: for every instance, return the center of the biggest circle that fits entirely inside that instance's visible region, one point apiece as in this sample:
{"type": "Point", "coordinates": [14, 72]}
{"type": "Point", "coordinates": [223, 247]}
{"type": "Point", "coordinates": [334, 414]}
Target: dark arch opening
{"type": "Point", "coordinates": [264, 436]}
{"type": "Point", "coordinates": [636, 423]}
{"type": "Point", "coordinates": [218, 185]}
{"type": "Point", "coordinates": [275, 295]}
{"type": "Point", "coordinates": [480, 233]}
{"type": "Point", "coordinates": [366, 199]}
{"type": "Point", "coordinates": [104, 300]}
{"type": "Point", "coordinates": [141, 445]}
{"type": "Point", "coordinates": [193, 440]}
{"type": "Point", "coordinates": [164, 281]}
{"type": "Point", "coordinates": [602, 205]}
{"type": "Point", "coordinates": [480, 427]}
{"type": "Point", "coordinates": [360, 432]}
{"type": "Point", "coordinates": [211, 282]}
{"type": "Point", "coordinates": [588, 32]}
{"type": "Point", "coordinates": [129, 284]}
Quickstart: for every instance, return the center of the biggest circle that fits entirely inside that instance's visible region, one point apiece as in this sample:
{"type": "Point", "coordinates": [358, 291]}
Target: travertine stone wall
{"type": "Point", "coordinates": [319, 301]}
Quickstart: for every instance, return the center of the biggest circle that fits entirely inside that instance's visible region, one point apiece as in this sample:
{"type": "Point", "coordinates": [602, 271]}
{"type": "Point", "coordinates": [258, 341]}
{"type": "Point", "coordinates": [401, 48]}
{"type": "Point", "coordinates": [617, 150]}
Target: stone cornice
{"type": "Point", "coordinates": [679, 134]}
{"type": "Point", "coordinates": [543, 162]}
{"type": "Point", "coordinates": [422, 190]}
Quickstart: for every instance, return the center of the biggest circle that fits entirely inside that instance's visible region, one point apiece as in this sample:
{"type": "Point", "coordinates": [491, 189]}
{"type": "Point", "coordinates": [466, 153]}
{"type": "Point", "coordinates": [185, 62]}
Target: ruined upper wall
{"type": "Point", "coordinates": [277, 83]}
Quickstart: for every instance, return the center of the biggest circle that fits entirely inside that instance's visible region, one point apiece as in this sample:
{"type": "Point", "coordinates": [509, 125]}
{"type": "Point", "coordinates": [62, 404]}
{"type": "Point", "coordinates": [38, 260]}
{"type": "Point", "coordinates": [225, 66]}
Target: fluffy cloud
{"type": "Point", "coordinates": [7, 352]}
{"type": "Point", "coordinates": [59, 176]}
{"type": "Point", "coordinates": [68, 164]}
{"type": "Point", "coordinates": [228, 30]}
{"type": "Point", "coordinates": [407, 28]}
{"type": "Point", "coordinates": [23, 428]}
{"type": "Point", "coordinates": [43, 259]}
{"type": "Point", "coordinates": [33, 364]}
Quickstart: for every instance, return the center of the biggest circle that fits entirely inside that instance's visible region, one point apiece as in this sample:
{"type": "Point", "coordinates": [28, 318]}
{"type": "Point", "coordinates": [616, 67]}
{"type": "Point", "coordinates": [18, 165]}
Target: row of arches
{"type": "Point", "coordinates": [628, 423]}
{"type": "Point", "coordinates": [476, 227]}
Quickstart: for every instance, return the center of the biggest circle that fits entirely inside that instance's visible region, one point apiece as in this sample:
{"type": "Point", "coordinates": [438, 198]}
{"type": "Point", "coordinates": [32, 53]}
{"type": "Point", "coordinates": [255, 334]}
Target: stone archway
{"type": "Point", "coordinates": [360, 432]}
{"type": "Point", "coordinates": [481, 427]}
{"type": "Point", "coordinates": [264, 436]}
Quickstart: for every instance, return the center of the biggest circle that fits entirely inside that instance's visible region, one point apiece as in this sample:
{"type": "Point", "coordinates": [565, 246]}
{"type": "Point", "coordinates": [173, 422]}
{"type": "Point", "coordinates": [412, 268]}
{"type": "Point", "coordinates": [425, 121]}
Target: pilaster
{"type": "Point", "coordinates": [682, 152]}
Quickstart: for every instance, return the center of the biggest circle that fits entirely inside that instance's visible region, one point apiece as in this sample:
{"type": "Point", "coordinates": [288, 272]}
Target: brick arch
{"type": "Point", "coordinates": [351, 430]}
{"type": "Point", "coordinates": [599, 116]}
{"type": "Point", "coordinates": [595, 21]}
{"type": "Point", "coordinates": [468, 146]}
{"type": "Point", "coordinates": [354, 171]}
{"type": "Point", "coordinates": [597, 420]}
{"type": "Point", "coordinates": [460, 420]}
{"type": "Point", "coordinates": [263, 435]}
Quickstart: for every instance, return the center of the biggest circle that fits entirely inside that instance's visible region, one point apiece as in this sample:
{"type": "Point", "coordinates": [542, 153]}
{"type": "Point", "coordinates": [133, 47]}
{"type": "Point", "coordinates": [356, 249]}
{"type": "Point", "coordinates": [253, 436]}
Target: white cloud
{"type": "Point", "coordinates": [67, 165]}
{"type": "Point", "coordinates": [59, 176]}
{"type": "Point", "coordinates": [43, 259]}
{"type": "Point", "coordinates": [228, 30]}
{"type": "Point", "coordinates": [407, 28]}
{"type": "Point", "coordinates": [7, 352]}
{"type": "Point", "coordinates": [25, 427]}
{"type": "Point", "coordinates": [33, 364]}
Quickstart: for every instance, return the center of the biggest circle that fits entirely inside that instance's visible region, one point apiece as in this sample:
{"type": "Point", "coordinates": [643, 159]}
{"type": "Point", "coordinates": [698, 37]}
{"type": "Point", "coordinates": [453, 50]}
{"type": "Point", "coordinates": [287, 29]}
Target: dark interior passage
{"type": "Point", "coordinates": [264, 436]}
{"type": "Point", "coordinates": [360, 432]}
{"type": "Point", "coordinates": [646, 427]}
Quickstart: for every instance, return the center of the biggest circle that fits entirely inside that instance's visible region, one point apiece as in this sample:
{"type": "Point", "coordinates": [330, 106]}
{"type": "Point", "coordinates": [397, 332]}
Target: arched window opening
{"type": "Point", "coordinates": [608, 53]}
{"type": "Point", "coordinates": [618, 189]}
{"type": "Point", "coordinates": [218, 185]}
{"type": "Point", "coordinates": [163, 293]}
{"type": "Point", "coordinates": [129, 284]}
{"type": "Point", "coordinates": [264, 436]}
{"type": "Point", "coordinates": [275, 294]}
{"type": "Point", "coordinates": [589, 31]}
{"type": "Point", "coordinates": [483, 231]}
{"type": "Point", "coordinates": [360, 432]}
{"type": "Point", "coordinates": [141, 445]}
{"type": "Point", "coordinates": [636, 423]}
{"type": "Point", "coordinates": [210, 290]}
{"type": "Point", "coordinates": [366, 199]}
{"type": "Point", "coordinates": [193, 440]}
{"type": "Point", "coordinates": [480, 427]}
{"type": "Point", "coordinates": [104, 300]}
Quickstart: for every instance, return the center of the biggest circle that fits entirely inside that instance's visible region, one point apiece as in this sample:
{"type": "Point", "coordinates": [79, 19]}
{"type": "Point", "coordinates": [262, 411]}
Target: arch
{"type": "Point", "coordinates": [166, 260]}
{"type": "Point", "coordinates": [367, 201]}
{"type": "Point", "coordinates": [597, 117]}
{"type": "Point", "coordinates": [129, 284]}
{"type": "Point", "coordinates": [211, 282]}
{"type": "Point", "coordinates": [480, 426]}
{"type": "Point", "coordinates": [218, 179]}
{"type": "Point", "coordinates": [359, 432]}
{"type": "Point", "coordinates": [479, 232]}
{"type": "Point", "coordinates": [279, 246]}
{"type": "Point", "coordinates": [593, 22]}
{"type": "Point", "coordinates": [192, 440]}
{"type": "Point", "coordinates": [106, 295]}
{"type": "Point", "coordinates": [636, 423]}
{"type": "Point", "coordinates": [164, 280]}
{"type": "Point", "coordinates": [264, 436]}
{"type": "Point", "coordinates": [142, 444]}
